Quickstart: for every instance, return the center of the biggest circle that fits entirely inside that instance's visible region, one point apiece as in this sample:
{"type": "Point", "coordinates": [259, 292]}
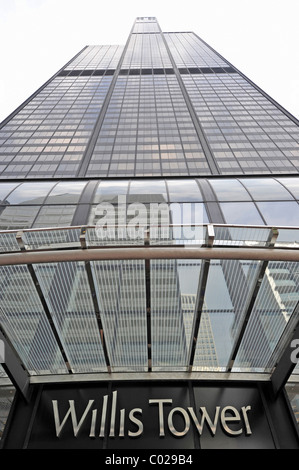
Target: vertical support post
{"type": "Point", "coordinates": [148, 303]}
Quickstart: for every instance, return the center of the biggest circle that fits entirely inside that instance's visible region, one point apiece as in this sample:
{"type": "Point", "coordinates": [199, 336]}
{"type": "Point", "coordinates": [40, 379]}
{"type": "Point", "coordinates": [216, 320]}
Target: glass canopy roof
{"type": "Point", "coordinates": [167, 311]}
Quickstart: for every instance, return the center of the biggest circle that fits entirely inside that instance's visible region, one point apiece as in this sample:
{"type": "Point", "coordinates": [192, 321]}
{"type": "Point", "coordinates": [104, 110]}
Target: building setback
{"type": "Point", "coordinates": [149, 226]}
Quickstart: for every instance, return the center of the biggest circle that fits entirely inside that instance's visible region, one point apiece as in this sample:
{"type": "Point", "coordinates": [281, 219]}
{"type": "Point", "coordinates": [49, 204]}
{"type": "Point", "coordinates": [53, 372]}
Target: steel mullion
{"type": "Point", "coordinates": [148, 307]}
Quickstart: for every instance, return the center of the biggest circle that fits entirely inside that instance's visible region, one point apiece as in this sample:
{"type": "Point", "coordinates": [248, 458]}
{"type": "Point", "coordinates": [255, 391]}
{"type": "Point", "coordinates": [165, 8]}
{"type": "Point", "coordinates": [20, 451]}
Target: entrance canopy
{"type": "Point", "coordinates": [83, 302]}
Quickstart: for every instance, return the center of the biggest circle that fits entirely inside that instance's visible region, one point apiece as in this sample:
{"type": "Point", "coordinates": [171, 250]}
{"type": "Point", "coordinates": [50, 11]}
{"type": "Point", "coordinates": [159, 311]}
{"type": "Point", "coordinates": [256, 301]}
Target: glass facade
{"type": "Point", "coordinates": [155, 142]}
{"type": "Point", "coordinates": [251, 201]}
{"type": "Point", "coordinates": [165, 104]}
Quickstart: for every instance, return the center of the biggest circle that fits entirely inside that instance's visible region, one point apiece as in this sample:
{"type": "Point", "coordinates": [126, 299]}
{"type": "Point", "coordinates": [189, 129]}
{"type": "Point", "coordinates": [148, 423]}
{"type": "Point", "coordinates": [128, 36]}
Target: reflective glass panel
{"type": "Point", "coordinates": [30, 193]}
{"type": "Point", "coordinates": [174, 285]}
{"type": "Point", "coordinates": [66, 193]}
{"type": "Point", "coordinates": [55, 216]}
{"type": "Point", "coordinates": [66, 290]}
{"type": "Point", "coordinates": [242, 236]}
{"type": "Point", "coordinates": [17, 217]}
{"type": "Point", "coordinates": [121, 294]}
{"type": "Point", "coordinates": [107, 191]}
{"type": "Point", "coordinates": [229, 190]}
{"type": "Point", "coordinates": [243, 213]}
{"type": "Point", "coordinates": [187, 220]}
{"type": "Point", "coordinates": [292, 184]}
{"type": "Point", "coordinates": [223, 313]}
{"type": "Point", "coordinates": [147, 191]}
{"type": "Point", "coordinates": [280, 213]}
{"type": "Point", "coordinates": [5, 189]}
{"type": "Point", "coordinates": [23, 319]}
{"type": "Point", "coordinates": [274, 306]}
{"type": "Point", "coordinates": [183, 191]}
{"type": "Point", "coordinates": [263, 189]}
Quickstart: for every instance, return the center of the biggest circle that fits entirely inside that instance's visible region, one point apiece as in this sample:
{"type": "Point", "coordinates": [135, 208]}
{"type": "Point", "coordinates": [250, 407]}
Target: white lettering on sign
{"type": "Point", "coordinates": [130, 422]}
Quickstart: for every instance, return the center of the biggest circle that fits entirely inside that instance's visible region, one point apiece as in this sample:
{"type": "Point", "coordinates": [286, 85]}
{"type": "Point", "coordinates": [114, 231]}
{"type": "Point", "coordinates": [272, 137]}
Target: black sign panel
{"type": "Point", "coordinates": [146, 415]}
{"type": "Point", "coordinates": [244, 420]}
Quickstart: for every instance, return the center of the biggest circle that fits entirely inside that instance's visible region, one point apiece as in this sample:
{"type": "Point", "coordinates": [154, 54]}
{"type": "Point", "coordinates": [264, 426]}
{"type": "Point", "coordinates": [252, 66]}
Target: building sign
{"type": "Point", "coordinates": [224, 415]}
{"type": "Point", "coordinates": [130, 416]}
{"type": "Point", "coordinates": [127, 415]}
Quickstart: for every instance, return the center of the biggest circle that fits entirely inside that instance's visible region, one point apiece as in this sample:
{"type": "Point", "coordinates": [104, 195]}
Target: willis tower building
{"type": "Point", "coordinates": [149, 235]}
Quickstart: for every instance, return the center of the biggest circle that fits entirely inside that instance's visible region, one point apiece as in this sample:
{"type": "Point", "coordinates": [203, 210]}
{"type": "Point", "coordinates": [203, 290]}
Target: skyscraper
{"type": "Point", "coordinates": [131, 148]}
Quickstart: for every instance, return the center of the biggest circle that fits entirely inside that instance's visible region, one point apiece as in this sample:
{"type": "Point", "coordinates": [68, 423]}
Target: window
{"type": "Point", "coordinates": [292, 184]}
{"type": "Point", "coordinates": [5, 189]}
{"type": "Point", "coordinates": [148, 191]}
{"type": "Point", "coordinates": [229, 190]}
{"type": "Point", "coordinates": [32, 193]}
{"type": "Point", "coordinates": [55, 216]}
{"type": "Point", "coordinates": [243, 213]}
{"type": "Point", "coordinates": [17, 217]}
{"type": "Point", "coordinates": [263, 189]}
{"type": "Point", "coordinates": [109, 190]}
{"type": "Point", "coordinates": [280, 213]}
{"type": "Point", "coordinates": [66, 192]}
{"type": "Point", "coordinates": [183, 191]}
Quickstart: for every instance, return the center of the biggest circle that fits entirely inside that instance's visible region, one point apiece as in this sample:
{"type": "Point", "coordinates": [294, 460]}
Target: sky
{"type": "Point", "coordinates": [38, 37]}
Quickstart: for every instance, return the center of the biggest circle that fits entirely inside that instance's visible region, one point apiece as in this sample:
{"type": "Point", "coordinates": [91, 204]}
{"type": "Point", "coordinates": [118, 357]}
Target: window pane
{"type": "Point", "coordinates": [241, 213]}
{"type": "Point", "coordinates": [229, 190]}
{"type": "Point", "coordinates": [174, 286]}
{"type": "Point", "coordinates": [121, 293]}
{"type": "Point", "coordinates": [223, 313]}
{"type": "Point", "coordinates": [33, 193]}
{"type": "Point", "coordinates": [66, 193]}
{"type": "Point", "coordinates": [66, 290]}
{"type": "Point", "coordinates": [187, 219]}
{"type": "Point", "coordinates": [5, 189]}
{"type": "Point", "coordinates": [292, 184]}
{"type": "Point", "coordinates": [26, 324]}
{"type": "Point", "coordinates": [55, 216]}
{"type": "Point", "coordinates": [18, 217]}
{"type": "Point", "coordinates": [147, 191]}
{"type": "Point", "coordinates": [107, 191]}
{"type": "Point", "coordinates": [280, 213]}
{"type": "Point", "coordinates": [263, 189]}
{"type": "Point", "coordinates": [183, 191]}
{"type": "Point", "coordinates": [274, 307]}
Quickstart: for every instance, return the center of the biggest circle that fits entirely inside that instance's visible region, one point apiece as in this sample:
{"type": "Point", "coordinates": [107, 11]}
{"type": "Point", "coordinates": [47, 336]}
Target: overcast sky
{"type": "Point", "coordinates": [259, 37]}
